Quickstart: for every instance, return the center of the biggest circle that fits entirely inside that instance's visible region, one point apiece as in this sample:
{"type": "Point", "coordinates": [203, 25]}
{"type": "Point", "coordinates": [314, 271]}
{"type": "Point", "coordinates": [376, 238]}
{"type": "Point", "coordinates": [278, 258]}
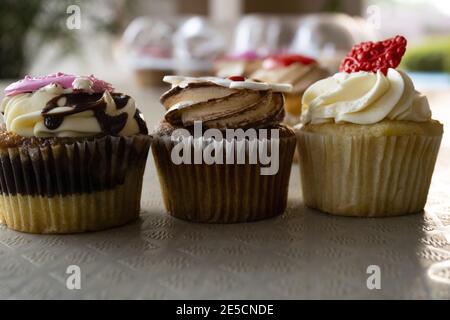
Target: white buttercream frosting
{"type": "Point", "coordinates": [22, 114]}
{"type": "Point", "coordinates": [82, 83]}
{"type": "Point", "coordinates": [364, 98]}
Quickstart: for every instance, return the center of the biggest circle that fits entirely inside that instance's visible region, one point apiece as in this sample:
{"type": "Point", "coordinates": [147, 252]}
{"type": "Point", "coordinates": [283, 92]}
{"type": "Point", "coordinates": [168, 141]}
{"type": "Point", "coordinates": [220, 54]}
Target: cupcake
{"type": "Point", "coordinates": [146, 48]}
{"type": "Point", "coordinates": [72, 155]}
{"type": "Point", "coordinates": [300, 71]}
{"type": "Point", "coordinates": [367, 142]}
{"type": "Point", "coordinates": [221, 154]}
{"type": "Point", "coordinates": [243, 64]}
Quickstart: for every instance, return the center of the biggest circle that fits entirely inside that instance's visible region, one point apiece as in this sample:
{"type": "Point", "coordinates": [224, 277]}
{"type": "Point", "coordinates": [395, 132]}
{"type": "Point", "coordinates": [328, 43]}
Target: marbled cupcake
{"type": "Point", "coordinates": [223, 191]}
{"type": "Point", "coordinates": [72, 155]}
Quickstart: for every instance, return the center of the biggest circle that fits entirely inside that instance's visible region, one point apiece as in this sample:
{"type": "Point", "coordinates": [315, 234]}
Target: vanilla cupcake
{"type": "Point", "coordinates": [367, 143]}
{"type": "Point", "coordinates": [72, 155]}
{"type": "Point", "coordinates": [300, 71]}
{"type": "Point", "coordinates": [211, 150]}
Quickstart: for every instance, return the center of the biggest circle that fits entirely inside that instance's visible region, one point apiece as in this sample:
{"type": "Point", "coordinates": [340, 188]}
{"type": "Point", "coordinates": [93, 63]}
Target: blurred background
{"type": "Point", "coordinates": [138, 41]}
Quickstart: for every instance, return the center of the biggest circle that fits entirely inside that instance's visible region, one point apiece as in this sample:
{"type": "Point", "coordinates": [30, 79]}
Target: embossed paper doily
{"type": "Point", "coordinates": [303, 254]}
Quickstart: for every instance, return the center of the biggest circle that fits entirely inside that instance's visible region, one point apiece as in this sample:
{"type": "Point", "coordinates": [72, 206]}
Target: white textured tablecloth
{"type": "Point", "coordinates": [303, 254]}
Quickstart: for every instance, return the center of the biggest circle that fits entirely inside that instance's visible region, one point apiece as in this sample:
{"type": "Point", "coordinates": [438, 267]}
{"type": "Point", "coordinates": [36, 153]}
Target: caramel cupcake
{"type": "Point", "coordinates": [211, 150]}
{"type": "Point", "coordinates": [300, 71]}
{"type": "Point", "coordinates": [243, 64]}
{"type": "Point", "coordinates": [72, 154]}
{"type": "Point", "coordinates": [367, 143]}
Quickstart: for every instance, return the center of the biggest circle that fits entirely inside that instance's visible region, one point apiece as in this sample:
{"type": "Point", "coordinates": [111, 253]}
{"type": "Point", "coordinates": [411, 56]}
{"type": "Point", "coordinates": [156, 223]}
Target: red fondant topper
{"type": "Point", "coordinates": [374, 56]}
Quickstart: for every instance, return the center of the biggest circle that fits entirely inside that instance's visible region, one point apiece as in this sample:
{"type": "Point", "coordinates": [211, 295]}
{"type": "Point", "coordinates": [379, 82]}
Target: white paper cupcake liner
{"type": "Point", "coordinates": [366, 176]}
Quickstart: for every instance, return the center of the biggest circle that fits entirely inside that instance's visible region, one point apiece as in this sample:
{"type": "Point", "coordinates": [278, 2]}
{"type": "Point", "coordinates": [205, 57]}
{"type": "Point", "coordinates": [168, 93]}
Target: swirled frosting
{"type": "Point", "coordinates": [53, 107]}
{"type": "Point", "coordinates": [223, 103]}
{"type": "Point", "coordinates": [364, 98]}
{"type": "Point", "coordinates": [299, 75]}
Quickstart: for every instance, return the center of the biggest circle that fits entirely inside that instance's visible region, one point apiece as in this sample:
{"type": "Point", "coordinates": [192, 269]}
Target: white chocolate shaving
{"type": "Point", "coordinates": [249, 84]}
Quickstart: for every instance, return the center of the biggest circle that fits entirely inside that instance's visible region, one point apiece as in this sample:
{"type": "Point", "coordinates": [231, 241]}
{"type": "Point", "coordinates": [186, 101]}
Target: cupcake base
{"type": "Point", "coordinates": [67, 186]}
{"type": "Point", "coordinates": [73, 213]}
{"type": "Point", "coordinates": [222, 193]}
{"type": "Point", "coordinates": [368, 172]}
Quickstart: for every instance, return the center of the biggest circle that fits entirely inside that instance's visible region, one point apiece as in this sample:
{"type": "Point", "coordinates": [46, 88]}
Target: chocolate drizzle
{"type": "Point", "coordinates": [121, 100]}
{"type": "Point", "coordinates": [53, 122]}
{"type": "Point", "coordinates": [140, 121]}
{"type": "Point", "coordinates": [109, 124]}
{"type": "Point", "coordinates": [80, 102]}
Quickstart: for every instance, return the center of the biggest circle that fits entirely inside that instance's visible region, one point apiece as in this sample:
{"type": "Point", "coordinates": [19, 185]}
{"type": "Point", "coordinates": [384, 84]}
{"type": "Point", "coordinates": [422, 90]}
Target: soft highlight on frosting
{"type": "Point", "coordinates": [364, 98]}
{"type": "Point", "coordinates": [222, 104]}
{"type": "Point", "coordinates": [55, 111]}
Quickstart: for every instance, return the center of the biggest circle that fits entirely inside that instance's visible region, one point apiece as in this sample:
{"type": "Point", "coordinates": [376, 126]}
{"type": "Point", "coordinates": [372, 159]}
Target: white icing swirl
{"type": "Point", "coordinates": [23, 115]}
{"type": "Point", "coordinates": [364, 98]}
{"type": "Point", "coordinates": [82, 83]}
{"type": "Point", "coordinates": [182, 82]}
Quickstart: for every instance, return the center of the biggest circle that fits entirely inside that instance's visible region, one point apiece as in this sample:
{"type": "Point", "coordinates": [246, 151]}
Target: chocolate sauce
{"type": "Point", "coordinates": [121, 100]}
{"type": "Point", "coordinates": [80, 102]}
{"type": "Point", "coordinates": [53, 122]}
{"type": "Point", "coordinates": [108, 124]}
{"type": "Point", "coordinates": [140, 121]}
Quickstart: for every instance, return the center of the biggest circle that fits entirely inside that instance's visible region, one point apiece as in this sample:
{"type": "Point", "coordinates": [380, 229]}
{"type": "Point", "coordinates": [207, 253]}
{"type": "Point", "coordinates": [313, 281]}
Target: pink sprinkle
{"type": "Point", "coordinates": [30, 84]}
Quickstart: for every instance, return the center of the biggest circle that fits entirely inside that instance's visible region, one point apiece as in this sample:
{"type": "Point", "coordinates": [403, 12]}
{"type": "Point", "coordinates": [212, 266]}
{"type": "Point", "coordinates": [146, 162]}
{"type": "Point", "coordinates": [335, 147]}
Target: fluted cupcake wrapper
{"type": "Point", "coordinates": [366, 176]}
{"type": "Point", "coordinates": [222, 193]}
{"type": "Point", "coordinates": [79, 186]}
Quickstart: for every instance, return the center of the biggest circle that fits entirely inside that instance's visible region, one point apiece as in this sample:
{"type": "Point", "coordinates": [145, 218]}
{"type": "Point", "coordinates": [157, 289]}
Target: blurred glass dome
{"type": "Point", "coordinates": [329, 37]}
{"type": "Point", "coordinates": [147, 43]}
{"type": "Point", "coordinates": [197, 43]}
{"type": "Point", "coordinates": [258, 33]}
{"type": "Point", "coordinates": [151, 35]}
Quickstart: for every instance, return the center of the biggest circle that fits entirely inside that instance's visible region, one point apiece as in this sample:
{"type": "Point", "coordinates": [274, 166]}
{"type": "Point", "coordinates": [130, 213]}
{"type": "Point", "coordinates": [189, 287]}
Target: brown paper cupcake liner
{"type": "Point", "coordinates": [222, 193]}
{"type": "Point", "coordinates": [74, 187]}
{"type": "Point", "coordinates": [366, 176]}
